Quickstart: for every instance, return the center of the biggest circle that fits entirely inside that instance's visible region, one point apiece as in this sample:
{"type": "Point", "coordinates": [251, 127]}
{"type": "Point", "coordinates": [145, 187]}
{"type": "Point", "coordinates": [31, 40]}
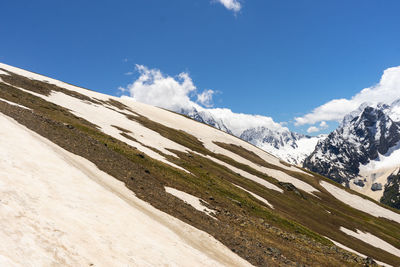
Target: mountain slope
{"type": "Point", "coordinates": [362, 152]}
{"type": "Point", "coordinates": [75, 189]}
{"type": "Point", "coordinates": [265, 211]}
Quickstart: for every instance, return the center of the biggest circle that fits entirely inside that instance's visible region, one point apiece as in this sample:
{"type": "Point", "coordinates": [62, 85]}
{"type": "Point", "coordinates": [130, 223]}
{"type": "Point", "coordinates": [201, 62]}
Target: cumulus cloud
{"type": "Point", "coordinates": [386, 91]}
{"type": "Point", "coordinates": [233, 5]}
{"type": "Point", "coordinates": [179, 93]}
{"type": "Point", "coordinates": [313, 129]}
{"type": "Point", "coordinates": [205, 98]}
{"type": "Point", "coordinates": [239, 122]}
{"type": "Point", "coordinates": [154, 88]}
{"type": "Point", "coordinates": [323, 125]}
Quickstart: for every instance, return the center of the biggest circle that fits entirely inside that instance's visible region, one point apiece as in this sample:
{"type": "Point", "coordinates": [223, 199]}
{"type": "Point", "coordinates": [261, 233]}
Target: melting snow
{"type": "Point", "coordinates": [389, 160]}
{"type": "Point", "coordinates": [2, 72]}
{"type": "Point", "coordinates": [193, 201]}
{"type": "Point", "coordinates": [372, 240]}
{"type": "Point", "coordinates": [356, 252]}
{"type": "Point", "coordinates": [57, 208]}
{"type": "Point", "coordinates": [360, 203]}
{"type": "Point", "coordinates": [14, 104]}
{"type": "Point", "coordinates": [373, 176]}
{"type": "Point", "coordinates": [256, 196]}
{"type": "Point", "coordinates": [247, 175]}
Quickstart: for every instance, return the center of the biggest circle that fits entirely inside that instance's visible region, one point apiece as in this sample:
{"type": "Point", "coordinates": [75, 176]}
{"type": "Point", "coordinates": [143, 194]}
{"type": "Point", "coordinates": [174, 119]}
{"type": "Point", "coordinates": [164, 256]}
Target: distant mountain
{"type": "Point", "coordinates": [280, 142]}
{"type": "Point", "coordinates": [289, 146]}
{"type": "Point", "coordinates": [363, 151]}
{"type": "Point", "coordinates": [206, 117]}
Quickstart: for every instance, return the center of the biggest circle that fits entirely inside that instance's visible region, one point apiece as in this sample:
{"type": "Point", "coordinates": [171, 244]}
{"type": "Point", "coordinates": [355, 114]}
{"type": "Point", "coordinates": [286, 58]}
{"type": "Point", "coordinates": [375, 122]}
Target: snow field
{"type": "Point", "coordinates": [373, 176]}
{"type": "Point", "coordinates": [58, 208]}
{"type": "Point", "coordinates": [360, 203]}
{"type": "Point", "coordinates": [372, 240]}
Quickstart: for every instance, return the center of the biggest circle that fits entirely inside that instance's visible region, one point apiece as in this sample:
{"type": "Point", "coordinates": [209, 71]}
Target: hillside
{"type": "Point", "coordinates": [91, 179]}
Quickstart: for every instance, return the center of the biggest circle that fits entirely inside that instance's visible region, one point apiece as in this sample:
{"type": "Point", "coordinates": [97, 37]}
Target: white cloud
{"type": "Point", "coordinates": [313, 129]}
{"type": "Point", "coordinates": [233, 5]}
{"type": "Point", "coordinates": [386, 91]}
{"type": "Point", "coordinates": [239, 122]}
{"type": "Point", "coordinates": [154, 88]}
{"type": "Point", "coordinates": [176, 93]}
{"type": "Point", "coordinates": [205, 98]}
{"type": "Point", "coordinates": [323, 125]}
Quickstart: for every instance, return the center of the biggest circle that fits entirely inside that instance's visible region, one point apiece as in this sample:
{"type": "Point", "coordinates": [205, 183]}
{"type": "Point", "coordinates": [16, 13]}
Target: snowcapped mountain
{"type": "Point", "coordinates": [363, 152]}
{"type": "Point", "coordinates": [279, 141]}
{"type": "Point", "coordinates": [88, 179]}
{"type": "Point", "coordinates": [289, 146]}
{"type": "Point", "coordinates": [205, 116]}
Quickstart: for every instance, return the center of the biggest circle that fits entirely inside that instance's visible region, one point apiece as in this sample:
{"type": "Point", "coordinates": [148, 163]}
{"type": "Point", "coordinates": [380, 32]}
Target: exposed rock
{"type": "Point", "coordinates": [359, 182]}
{"type": "Point", "coordinates": [391, 194]}
{"type": "Point", "coordinates": [376, 187]}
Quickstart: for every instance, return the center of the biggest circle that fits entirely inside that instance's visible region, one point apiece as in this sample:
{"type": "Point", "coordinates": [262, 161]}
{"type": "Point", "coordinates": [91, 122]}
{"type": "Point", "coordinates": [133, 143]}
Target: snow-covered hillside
{"type": "Point", "coordinates": [59, 208]}
{"type": "Point", "coordinates": [92, 179]}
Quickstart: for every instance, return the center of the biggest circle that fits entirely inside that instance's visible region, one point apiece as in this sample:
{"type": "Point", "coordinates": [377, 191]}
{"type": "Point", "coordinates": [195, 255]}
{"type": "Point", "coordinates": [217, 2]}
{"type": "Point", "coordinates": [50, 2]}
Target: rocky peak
{"type": "Point", "coordinates": [360, 138]}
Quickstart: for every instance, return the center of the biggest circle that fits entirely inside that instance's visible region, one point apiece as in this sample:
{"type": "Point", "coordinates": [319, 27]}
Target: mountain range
{"type": "Point", "coordinates": [98, 180]}
{"type": "Point", "coordinates": [361, 153]}
{"type": "Point", "coordinates": [289, 146]}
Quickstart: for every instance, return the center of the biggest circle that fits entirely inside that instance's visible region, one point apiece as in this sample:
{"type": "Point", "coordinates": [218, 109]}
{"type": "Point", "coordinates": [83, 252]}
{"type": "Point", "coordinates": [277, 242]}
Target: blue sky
{"type": "Point", "coordinates": [280, 58]}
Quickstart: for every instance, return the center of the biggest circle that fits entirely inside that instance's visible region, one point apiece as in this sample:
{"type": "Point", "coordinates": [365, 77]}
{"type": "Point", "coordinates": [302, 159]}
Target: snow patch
{"type": "Point", "coordinates": [388, 160]}
{"type": "Point", "coordinates": [57, 208]}
{"type": "Point", "coordinates": [372, 240]}
{"type": "Point", "coordinates": [247, 175]}
{"type": "Point", "coordinates": [2, 72]}
{"type": "Point", "coordinates": [14, 104]}
{"type": "Point", "coordinates": [256, 196]}
{"type": "Point", "coordinates": [193, 201]}
{"type": "Point", "coordinates": [360, 203]}
{"type": "Point", "coordinates": [356, 252]}
{"type": "Point", "coordinates": [372, 176]}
